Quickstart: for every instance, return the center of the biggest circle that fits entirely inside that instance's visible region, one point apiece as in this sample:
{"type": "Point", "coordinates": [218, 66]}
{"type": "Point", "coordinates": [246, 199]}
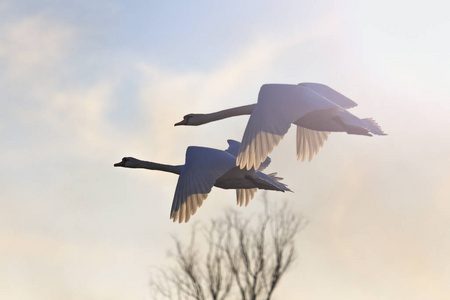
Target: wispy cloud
{"type": "Point", "coordinates": [60, 135]}
{"type": "Point", "coordinates": [33, 44]}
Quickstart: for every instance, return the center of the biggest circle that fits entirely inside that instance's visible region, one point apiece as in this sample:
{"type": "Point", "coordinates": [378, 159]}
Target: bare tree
{"type": "Point", "coordinates": [246, 257]}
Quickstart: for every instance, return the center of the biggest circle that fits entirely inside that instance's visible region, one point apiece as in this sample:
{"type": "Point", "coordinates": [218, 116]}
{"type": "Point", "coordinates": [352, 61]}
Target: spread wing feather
{"type": "Point", "coordinates": [309, 142]}
{"type": "Point", "coordinates": [233, 149]}
{"type": "Point", "coordinates": [202, 168]}
{"type": "Point", "coordinates": [332, 95]}
{"type": "Point", "coordinates": [279, 105]}
{"type": "Point", "coordinates": [243, 196]}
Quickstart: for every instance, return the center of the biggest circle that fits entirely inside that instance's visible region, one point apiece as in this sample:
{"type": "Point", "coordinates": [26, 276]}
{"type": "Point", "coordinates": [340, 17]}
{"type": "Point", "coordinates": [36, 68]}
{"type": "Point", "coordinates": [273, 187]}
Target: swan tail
{"type": "Point", "coordinates": [277, 179]}
{"type": "Point", "coordinates": [373, 126]}
{"type": "Point", "coordinates": [270, 182]}
{"type": "Point", "coordinates": [309, 142]}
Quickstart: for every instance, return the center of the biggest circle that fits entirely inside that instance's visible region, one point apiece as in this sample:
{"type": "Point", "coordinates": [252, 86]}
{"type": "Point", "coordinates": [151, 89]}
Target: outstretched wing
{"type": "Point", "coordinates": [309, 142]}
{"type": "Point", "coordinates": [203, 167]}
{"type": "Point", "coordinates": [279, 105]}
{"type": "Point", "coordinates": [243, 196]}
{"type": "Point", "coordinates": [233, 149]}
{"type": "Point", "coordinates": [330, 94]}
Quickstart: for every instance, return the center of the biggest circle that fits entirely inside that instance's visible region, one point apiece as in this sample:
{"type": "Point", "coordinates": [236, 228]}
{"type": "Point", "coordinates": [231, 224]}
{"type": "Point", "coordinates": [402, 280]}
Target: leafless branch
{"type": "Point", "coordinates": [245, 258]}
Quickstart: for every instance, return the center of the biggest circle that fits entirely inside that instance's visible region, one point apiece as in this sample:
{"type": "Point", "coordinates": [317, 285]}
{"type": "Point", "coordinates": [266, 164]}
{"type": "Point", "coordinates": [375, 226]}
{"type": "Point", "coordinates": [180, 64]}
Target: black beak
{"type": "Point", "coordinates": [184, 122]}
{"type": "Point", "coordinates": [119, 164]}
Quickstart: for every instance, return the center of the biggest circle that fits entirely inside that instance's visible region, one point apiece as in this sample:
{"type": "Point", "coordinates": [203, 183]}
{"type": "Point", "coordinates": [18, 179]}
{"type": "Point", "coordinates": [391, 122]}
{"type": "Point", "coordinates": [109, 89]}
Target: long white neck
{"type": "Point", "coordinates": [227, 113]}
{"type": "Point", "coordinates": [140, 164]}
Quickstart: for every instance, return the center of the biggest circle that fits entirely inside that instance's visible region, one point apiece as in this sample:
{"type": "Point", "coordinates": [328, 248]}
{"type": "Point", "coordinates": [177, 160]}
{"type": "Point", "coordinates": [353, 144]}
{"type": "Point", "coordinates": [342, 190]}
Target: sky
{"type": "Point", "coordinates": [85, 83]}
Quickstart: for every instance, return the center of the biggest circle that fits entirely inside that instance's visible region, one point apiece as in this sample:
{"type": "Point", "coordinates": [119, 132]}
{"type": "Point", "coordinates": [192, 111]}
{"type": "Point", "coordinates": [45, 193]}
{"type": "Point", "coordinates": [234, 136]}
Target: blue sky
{"type": "Point", "coordinates": [83, 84]}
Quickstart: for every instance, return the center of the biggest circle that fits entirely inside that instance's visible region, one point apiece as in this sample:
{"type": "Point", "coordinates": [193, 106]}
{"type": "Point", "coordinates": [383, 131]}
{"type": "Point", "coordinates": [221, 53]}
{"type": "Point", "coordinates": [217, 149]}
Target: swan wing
{"type": "Point", "coordinates": [243, 196]}
{"type": "Point", "coordinates": [202, 168]}
{"type": "Point", "coordinates": [330, 94]}
{"type": "Point", "coordinates": [233, 149]}
{"type": "Point", "coordinates": [309, 142]}
{"type": "Point", "coordinates": [279, 105]}
{"type": "Point", "coordinates": [264, 164]}
{"type": "Point", "coordinates": [277, 179]}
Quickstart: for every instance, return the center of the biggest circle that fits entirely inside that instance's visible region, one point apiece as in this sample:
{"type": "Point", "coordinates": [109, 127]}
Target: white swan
{"type": "Point", "coordinates": [315, 108]}
{"type": "Point", "coordinates": [205, 168]}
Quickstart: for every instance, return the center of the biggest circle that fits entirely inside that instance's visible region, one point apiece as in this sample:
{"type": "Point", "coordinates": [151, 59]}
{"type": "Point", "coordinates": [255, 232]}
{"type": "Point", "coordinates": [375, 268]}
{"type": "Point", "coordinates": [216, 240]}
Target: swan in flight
{"type": "Point", "coordinates": [205, 168]}
{"type": "Point", "coordinates": [315, 108]}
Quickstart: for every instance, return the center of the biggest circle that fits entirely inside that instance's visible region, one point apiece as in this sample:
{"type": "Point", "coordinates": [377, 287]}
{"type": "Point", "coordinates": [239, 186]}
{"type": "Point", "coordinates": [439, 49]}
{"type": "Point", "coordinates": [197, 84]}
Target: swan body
{"type": "Point", "coordinates": [315, 108]}
{"type": "Point", "coordinates": [205, 168]}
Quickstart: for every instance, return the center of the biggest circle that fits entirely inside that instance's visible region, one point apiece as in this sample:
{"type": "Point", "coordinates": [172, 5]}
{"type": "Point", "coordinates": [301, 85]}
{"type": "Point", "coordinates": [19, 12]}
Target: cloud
{"type": "Point", "coordinates": [33, 43]}
{"type": "Point", "coordinates": [39, 53]}
{"type": "Point", "coordinates": [169, 95]}
{"type": "Point", "coordinates": [369, 228]}
{"type": "Point", "coordinates": [58, 119]}
{"type": "Point", "coordinates": [31, 52]}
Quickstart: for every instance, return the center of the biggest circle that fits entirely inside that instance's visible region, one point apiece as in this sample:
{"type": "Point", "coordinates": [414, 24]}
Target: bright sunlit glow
{"type": "Point", "coordinates": [84, 84]}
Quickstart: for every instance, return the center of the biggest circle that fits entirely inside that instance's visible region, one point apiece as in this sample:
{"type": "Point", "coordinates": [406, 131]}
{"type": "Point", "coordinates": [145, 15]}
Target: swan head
{"type": "Point", "coordinates": [127, 162]}
{"type": "Point", "coordinates": [192, 119]}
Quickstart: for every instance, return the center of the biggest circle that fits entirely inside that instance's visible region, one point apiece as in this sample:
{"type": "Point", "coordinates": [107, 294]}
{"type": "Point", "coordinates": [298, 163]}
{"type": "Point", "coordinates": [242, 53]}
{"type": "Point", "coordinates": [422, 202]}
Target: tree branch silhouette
{"type": "Point", "coordinates": [246, 257]}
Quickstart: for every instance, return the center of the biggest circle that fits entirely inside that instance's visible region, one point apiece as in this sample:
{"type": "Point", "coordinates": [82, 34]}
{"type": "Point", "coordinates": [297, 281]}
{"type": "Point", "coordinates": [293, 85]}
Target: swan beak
{"type": "Point", "coordinates": [184, 122]}
{"type": "Point", "coordinates": [119, 164]}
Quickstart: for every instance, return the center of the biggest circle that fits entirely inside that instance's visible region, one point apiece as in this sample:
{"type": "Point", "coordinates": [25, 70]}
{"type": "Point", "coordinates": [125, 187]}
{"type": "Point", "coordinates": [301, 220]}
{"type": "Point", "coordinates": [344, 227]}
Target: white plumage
{"type": "Point", "coordinates": [315, 108]}
{"type": "Point", "coordinates": [205, 168]}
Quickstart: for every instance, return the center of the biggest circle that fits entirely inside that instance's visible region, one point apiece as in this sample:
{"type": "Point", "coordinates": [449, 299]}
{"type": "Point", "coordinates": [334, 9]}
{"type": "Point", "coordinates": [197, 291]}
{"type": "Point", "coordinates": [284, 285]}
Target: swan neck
{"type": "Point", "coordinates": [140, 164]}
{"type": "Point", "coordinates": [231, 112]}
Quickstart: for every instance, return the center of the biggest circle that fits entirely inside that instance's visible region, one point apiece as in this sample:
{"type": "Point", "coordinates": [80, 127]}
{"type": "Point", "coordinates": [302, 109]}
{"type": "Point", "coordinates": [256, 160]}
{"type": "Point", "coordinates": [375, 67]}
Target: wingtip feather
{"type": "Point", "coordinates": [309, 142]}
